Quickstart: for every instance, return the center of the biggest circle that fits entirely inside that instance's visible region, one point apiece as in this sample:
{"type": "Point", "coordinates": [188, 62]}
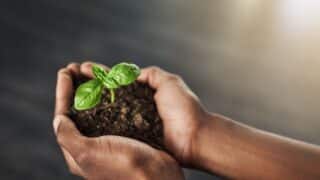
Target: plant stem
{"type": "Point", "coordinates": [112, 95]}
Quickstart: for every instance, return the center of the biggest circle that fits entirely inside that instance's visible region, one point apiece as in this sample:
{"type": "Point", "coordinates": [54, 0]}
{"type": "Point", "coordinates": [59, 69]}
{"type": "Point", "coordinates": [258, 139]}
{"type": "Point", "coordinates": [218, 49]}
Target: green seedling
{"type": "Point", "coordinates": [88, 94]}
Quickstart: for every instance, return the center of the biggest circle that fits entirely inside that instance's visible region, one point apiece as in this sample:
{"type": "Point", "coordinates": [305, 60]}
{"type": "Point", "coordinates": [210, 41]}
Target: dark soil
{"type": "Point", "coordinates": [133, 114]}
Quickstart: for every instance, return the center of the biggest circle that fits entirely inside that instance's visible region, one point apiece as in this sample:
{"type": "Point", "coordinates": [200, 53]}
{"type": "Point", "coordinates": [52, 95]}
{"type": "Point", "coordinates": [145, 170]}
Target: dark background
{"type": "Point", "coordinates": [255, 61]}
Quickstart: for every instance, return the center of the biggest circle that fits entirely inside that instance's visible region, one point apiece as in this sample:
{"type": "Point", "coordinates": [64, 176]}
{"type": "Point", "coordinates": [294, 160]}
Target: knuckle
{"type": "Point", "coordinates": [174, 77]}
{"type": "Point", "coordinates": [154, 69]}
{"type": "Point", "coordinates": [87, 63]}
{"type": "Point", "coordinates": [72, 64]}
{"type": "Point", "coordinates": [64, 72]}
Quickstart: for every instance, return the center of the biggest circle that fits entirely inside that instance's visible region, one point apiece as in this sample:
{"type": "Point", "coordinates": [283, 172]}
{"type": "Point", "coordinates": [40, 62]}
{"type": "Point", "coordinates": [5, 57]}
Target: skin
{"type": "Point", "coordinates": [195, 137]}
{"type": "Point", "coordinates": [106, 157]}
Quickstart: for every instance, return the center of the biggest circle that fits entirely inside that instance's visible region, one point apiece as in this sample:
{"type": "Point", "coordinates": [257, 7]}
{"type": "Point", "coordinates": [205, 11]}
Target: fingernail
{"type": "Point", "coordinates": [56, 123]}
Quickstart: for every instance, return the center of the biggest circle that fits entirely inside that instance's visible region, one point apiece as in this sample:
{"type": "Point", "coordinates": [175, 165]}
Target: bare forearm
{"type": "Point", "coordinates": [237, 151]}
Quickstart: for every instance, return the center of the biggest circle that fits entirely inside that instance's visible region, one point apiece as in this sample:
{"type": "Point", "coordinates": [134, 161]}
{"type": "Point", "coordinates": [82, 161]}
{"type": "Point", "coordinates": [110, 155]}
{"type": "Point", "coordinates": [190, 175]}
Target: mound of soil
{"type": "Point", "coordinates": [133, 114]}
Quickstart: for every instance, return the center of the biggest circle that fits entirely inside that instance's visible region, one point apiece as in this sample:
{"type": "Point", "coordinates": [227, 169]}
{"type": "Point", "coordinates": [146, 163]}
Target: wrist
{"type": "Point", "coordinates": [210, 143]}
{"type": "Point", "coordinates": [196, 142]}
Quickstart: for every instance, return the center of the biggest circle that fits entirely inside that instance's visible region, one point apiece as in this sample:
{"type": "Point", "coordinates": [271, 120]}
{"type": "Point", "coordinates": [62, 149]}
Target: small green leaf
{"type": "Point", "coordinates": [124, 73]}
{"type": "Point", "coordinates": [99, 72]}
{"type": "Point", "coordinates": [88, 94]}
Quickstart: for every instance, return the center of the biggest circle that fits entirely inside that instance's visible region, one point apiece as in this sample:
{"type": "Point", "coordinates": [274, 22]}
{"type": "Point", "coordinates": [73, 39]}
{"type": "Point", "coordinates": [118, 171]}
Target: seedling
{"type": "Point", "coordinates": [89, 93]}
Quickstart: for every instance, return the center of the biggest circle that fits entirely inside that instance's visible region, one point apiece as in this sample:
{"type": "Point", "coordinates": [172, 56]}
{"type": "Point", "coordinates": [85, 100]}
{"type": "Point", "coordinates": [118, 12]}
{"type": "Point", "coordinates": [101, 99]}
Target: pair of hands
{"type": "Point", "coordinates": [114, 157]}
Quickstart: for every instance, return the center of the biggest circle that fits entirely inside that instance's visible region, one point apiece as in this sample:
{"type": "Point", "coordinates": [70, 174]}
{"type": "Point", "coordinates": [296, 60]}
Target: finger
{"type": "Point", "coordinates": [86, 68]}
{"type": "Point", "coordinates": [68, 136]}
{"type": "Point", "coordinates": [64, 91]}
{"type": "Point", "coordinates": [72, 165]}
{"type": "Point", "coordinates": [154, 76]}
{"type": "Point", "coordinates": [74, 68]}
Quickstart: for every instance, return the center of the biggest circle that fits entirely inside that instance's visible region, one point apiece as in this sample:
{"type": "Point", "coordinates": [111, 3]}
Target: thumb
{"type": "Point", "coordinates": [68, 135]}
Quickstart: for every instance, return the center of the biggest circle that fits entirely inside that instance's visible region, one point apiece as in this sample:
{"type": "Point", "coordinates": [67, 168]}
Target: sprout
{"type": "Point", "coordinates": [89, 93]}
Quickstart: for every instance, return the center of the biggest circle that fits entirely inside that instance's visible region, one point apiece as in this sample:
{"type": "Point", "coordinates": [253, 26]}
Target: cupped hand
{"type": "Point", "coordinates": [180, 110]}
{"type": "Point", "coordinates": [110, 157]}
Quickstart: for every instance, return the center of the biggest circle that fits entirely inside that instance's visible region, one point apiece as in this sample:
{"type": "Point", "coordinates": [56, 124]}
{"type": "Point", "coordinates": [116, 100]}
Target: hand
{"type": "Point", "coordinates": [105, 157]}
{"type": "Point", "coordinates": [217, 144]}
{"type": "Point", "coordinates": [180, 110]}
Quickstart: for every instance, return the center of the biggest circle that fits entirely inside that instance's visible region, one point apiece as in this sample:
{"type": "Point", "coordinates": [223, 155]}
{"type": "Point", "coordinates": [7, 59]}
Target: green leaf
{"type": "Point", "coordinates": [99, 72]}
{"type": "Point", "coordinates": [124, 73]}
{"type": "Point", "coordinates": [88, 95]}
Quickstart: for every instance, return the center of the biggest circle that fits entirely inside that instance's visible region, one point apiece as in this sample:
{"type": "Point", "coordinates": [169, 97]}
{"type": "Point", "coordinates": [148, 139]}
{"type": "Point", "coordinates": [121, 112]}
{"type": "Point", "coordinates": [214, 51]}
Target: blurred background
{"type": "Point", "coordinates": [255, 61]}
